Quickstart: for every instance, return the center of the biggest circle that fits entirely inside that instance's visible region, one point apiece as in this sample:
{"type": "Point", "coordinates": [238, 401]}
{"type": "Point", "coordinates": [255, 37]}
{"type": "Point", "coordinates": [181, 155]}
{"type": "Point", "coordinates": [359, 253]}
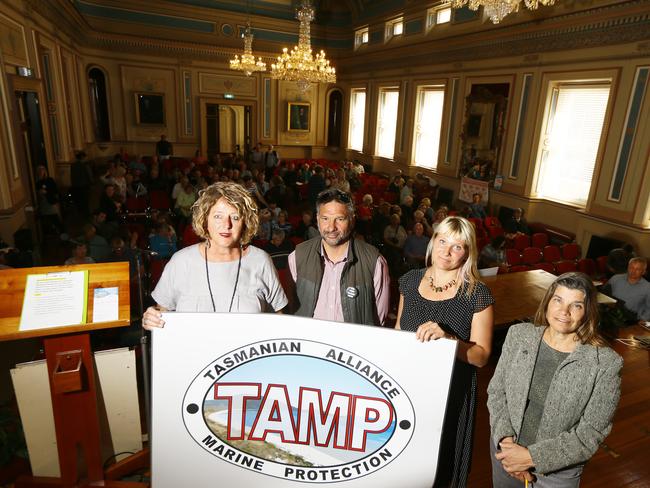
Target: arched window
{"type": "Point", "coordinates": [334, 115]}
{"type": "Point", "coordinates": [99, 104]}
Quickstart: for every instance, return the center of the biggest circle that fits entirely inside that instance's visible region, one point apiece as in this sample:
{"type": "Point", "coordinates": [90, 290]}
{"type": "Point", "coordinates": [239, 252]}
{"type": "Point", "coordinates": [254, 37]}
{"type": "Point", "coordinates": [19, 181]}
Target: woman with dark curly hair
{"type": "Point", "coordinates": [224, 273]}
{"type": "Point", "coordinates": [554, 390]}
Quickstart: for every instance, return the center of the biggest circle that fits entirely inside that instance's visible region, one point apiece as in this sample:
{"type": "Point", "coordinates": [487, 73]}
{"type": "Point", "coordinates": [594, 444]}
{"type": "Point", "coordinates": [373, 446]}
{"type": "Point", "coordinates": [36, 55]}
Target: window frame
{"type": "Point", "coordinates": [420, 90]}
{"type": "Point", "coordinates": [390, 28]}
{"type": "Point", "coordinates": [379, 125]}
{"type": "Point", "coordinates": [353, 92]}
{"type": "Point", "coordinates": [433, 16]}
{"type": "Point", "coordinates": [549, 108]}
{"type": "Point", "coordinates": [361, 37]}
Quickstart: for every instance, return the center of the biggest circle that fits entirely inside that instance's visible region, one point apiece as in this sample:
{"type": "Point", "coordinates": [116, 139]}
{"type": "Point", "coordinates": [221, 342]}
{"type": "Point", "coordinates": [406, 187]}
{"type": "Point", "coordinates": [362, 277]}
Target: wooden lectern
{"type": "Point", "coordinates": [72, 376]}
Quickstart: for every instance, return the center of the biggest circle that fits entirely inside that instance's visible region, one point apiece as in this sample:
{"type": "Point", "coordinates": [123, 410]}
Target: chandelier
{"type": "Point", "coordinates": [247, 63]}
{"type": "Point", "coordinates": [498, 9]}
{"type": "Point", "coordinates": [300, 65]}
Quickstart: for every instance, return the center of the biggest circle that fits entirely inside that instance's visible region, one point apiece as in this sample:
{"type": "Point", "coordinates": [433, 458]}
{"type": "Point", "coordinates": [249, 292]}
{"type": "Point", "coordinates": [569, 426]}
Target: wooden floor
{"type": "Point", "coordinates": [624, 460]}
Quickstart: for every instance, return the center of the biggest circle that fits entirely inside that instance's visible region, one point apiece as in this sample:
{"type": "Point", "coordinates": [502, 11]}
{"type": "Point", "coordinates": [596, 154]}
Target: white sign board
{"type": "Point", "coordinates": [275, 401]}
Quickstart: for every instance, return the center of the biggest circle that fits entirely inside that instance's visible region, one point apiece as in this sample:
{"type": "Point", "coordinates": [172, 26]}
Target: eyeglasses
{"type": "Point", "coordinates": [331, 194]}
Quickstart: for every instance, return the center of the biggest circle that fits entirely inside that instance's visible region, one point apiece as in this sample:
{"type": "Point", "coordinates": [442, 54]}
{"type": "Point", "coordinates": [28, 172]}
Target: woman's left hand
{"type": "Point", "coordinates": [513, 457]}
{"type": "Point", "coordinates": [430, 331]}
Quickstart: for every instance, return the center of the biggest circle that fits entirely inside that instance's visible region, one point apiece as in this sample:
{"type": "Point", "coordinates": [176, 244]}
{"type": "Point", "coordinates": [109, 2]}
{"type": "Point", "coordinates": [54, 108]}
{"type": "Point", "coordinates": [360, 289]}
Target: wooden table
{"type": "Point", "coordinates": [517, 295]}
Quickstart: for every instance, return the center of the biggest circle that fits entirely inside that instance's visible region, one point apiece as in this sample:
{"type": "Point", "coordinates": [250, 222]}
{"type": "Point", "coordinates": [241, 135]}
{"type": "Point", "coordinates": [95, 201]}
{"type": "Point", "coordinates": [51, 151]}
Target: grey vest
{"type": "Point", "coordinates": [358, 274]}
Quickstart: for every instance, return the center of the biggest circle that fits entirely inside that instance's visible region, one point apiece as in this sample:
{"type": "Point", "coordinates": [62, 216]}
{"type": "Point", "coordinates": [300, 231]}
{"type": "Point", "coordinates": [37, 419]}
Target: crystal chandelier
{"type": "Point", "coordinates": [498, 9]}
{"type": "Point", "coordinates": [247, 63]}
{"type": "Point", "coordinates": [300, 65]}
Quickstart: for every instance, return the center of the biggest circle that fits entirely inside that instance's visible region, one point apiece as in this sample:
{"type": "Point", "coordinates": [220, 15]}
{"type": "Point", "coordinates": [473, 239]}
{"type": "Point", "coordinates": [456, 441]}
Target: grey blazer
{"type": "Point", "coordinates": [579, 406]}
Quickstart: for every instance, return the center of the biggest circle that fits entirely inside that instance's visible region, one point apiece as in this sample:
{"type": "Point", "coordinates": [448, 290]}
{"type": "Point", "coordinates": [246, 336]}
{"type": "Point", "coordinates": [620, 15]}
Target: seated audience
{"type": "Point", "coordinates": [477, 209]}
{"type": "Point", "coordinates": [306, 229]}
{"type": "Point", "coordinates": [97, 246]}
{"type": "Point", "coordinates": [79, 255]}
{"type": "Point", "coordinates": [516, 225]}
{"type": "Point", "coordinates": [184, 201]}
{"type": "Point", "coordinates": [633, 289]}
{"type": "Point", "coordinates": [494, 254]}
{"type": "Point", "coordinates": [163, 242]}
{"type": "Point", "coordinates": [415, 247]}
{"type": "Point", "coordinates": [265, 223]}
{"type": "Point", "coordinates": [279, 249]}
{"type": "Point", "coordinates": [282, 223]}
{"type": "Point", "coordinates": [618, 259]}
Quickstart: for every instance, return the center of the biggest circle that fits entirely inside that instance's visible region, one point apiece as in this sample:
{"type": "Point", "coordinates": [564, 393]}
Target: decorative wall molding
{"type": "Point", "coordinates": [210, 83]}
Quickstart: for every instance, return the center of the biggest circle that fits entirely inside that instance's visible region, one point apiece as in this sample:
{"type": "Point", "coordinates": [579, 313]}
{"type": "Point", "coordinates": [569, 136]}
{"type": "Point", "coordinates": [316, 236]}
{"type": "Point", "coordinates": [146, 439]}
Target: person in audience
{"type": "Point", "coordinates": [164, 148]}
{"type": "Point", "coordinates": [494, 254]}
{"type": "Point", "coordinates": [277, 192]}
{"type": "Point", "coordinates": [271, 161]}
{"type": "Point", "coordinates": [516, 225]}
{"type": "Point", "coordinates": [304, 173]}
{"type": "Point", "coordinates": [79, 255]}
{"type": "Point", "coordinates": [425, 206]}
{"type": "Point", "coordinates": [633, 289]}
{"type": "Point", "coordinates": [342, 182]}
{"type": "Point", "coordinates": [477, 210]}
{"type": "Point", "coordinates": [81, 179]}
{"type": "Point", "coordinates": [415, 247]}
{"type": "Point", "coordinates": [282, 223]}
{"type": "Point", "coordinates": [316, 185]}
{"type": "Point", "coordinates": [339, 278]}
{"type": "Point", "coordinates": [394, 238]}
{"type": "Point", "coordinates": [198, 158]}
{"type": "Point", "coordinates": [97, 246]}
{"type": "Point", "coordinates": [257, 158]}
{"type": "Point", "coordinates": [224, 273]}
{"type": "Point", "coordinates": [109, 204]}
{"type": "Point", "coordinates": [265, 225]}
{"type": "Point", "coordinates": [121, 252]}
{"type": "Point", "coordinates": [441, 214]}
{"type": "Point", "coordinates": [554, 391]}
{"type": "Point", "coordinates": [618, 259]}
{"type": "Point", "coordinates": [47, 193]}
{"type": "Point", "coordinates": [279, 249]}
{"type": "Point", "coordinates": [184, 201]}
{"type": "Point", "coordinates": [406, 212]}
{"type": "Point", "coordinates": [380, 220]}
{"type": "Point", "coordinates": [262, 184]}
{"type": "Point", "coordinates": [446, 300]}
{"type": "Point", "coordinates": [163, 242]}
{"type": "Point", "coordinates": [406, 191]}
{"type": "Point", "coordinates": [306, 229]}
{"type": "Point", "coordinates": [253, 190]}
{"type": "Point", "coordinates": [418, 218]}
{"type": "Point", "coordinates": [156, 182]}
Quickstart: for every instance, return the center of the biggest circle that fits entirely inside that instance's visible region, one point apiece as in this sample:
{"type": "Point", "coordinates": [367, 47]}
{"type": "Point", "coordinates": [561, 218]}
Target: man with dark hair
{"type": "Point", "coordinates": [164, 149]}
{"type": "Point", "coordinates": [339, 278]}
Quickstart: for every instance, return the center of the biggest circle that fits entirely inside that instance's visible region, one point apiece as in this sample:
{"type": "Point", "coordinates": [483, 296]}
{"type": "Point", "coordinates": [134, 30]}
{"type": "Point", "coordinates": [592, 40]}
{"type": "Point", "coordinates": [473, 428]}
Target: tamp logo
{"type": "Point", "coordinates": [299, 410]}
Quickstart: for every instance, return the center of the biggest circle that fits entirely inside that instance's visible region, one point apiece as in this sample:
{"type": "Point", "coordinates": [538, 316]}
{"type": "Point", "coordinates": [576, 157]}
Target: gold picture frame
{"type": "Point", "coordinates": [149, 108]}
{"type": "Point", "coordinates": [298, 116]}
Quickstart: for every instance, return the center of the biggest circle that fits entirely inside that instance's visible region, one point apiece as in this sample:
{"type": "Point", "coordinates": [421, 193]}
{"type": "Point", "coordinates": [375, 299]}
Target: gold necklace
{"type": "Point", "coordinates": [440, 289]}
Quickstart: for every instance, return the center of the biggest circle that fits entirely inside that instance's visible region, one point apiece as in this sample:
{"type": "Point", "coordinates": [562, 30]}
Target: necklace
{"type": "Point", "coordinates": [207, 277]}
{"type": "Point", "coordinates": [440, 289]}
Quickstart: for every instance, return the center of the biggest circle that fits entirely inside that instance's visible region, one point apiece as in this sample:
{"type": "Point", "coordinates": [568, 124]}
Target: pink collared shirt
{"type": "Point", "coordinates": [328, 305]}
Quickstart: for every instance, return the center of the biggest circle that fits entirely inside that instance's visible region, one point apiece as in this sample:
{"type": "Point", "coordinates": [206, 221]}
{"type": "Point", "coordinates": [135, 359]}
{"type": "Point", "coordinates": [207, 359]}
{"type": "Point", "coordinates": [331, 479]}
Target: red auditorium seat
{"type": "Point", "coordinates": [495, 231]}
{"type": "Point", "coordinates": [136, 205]}
{"type": "Point", "coordinates": [513, 257]}
{"type": "Point", "coordinates": [601, 265]}
{"type": "Point", "coordinates": [587, 266]}
{"type": "Point", "coordinates": [159, 199]}
{"type": "Point", "coordinates": [571, 251]}
{"type": "Point", "coordinates": [491, 222]}
{"type": "Point", "coordinates": [539, 239]}
{"type": "Point", "coordinates": [552, 254]}
{"type": "Point", "coordinates": [522, 241]}
{"type": "Point", "coordinates": [531, 255]}
{"type": "Point", "coordinates": [565, 266]}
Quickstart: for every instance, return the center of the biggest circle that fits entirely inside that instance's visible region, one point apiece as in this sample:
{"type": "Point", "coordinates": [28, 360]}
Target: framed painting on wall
{"type": "Point", "coordinates": [298, 116]}
{"type": "Point", "coordinates": [149, 108]}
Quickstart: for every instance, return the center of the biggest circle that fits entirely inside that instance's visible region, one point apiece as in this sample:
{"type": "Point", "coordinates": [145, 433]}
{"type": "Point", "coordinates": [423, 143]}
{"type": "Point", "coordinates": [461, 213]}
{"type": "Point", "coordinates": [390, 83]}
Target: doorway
{"type": "Point", "coordinates": [226, 129]}
{"type": "Point", "coordinates": [31, 140]}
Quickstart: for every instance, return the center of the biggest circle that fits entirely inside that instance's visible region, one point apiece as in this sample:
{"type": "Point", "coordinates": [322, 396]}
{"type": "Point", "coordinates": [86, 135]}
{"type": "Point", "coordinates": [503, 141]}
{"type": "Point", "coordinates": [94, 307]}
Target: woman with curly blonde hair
{"type": "Point", "coordinates": [224, 273]}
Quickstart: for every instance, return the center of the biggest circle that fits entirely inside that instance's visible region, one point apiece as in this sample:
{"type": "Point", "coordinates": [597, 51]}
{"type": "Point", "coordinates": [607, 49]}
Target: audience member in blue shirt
{"type": "Point", "coordinates": [163, 242]}
{"type": "Point", "coordinates": [477, 210]}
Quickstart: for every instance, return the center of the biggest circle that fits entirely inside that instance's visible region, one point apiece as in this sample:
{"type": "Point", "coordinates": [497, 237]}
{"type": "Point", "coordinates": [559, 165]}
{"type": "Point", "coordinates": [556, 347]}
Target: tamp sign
{"type": "Point", "coordinates": [289, 409]}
